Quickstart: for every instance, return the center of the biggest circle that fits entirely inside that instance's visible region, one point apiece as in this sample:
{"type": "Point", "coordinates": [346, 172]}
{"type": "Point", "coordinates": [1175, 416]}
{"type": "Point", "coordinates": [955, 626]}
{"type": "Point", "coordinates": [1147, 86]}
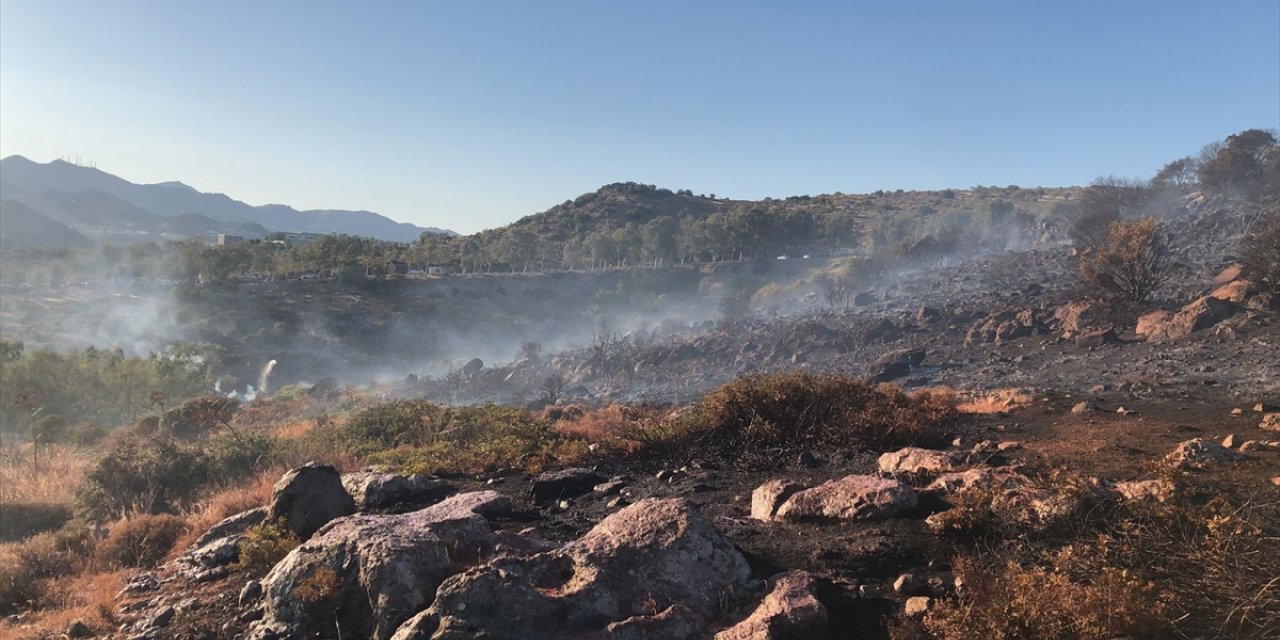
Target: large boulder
{"type": "Point", "coordinates": [913, 460]}
{"type": "Point", "coordinates": [979, 478]}
{"type": "Point", "coordinates": [551, 486]}
{"type": "Point", "coordinates": [220, 545]}
{"type": "Point", "coordinates": [367, 574]}
{"type": "Point", "coordinates": [791, 610]}
{"type": "Point", "coordinates": [1201, 314]}
{"type": "Point", "coordinates": [854, 497]}
{"type": "Point", "coordinates": [373, 491]}
{"type": "Point", "coordinates": [656, 569]}
{"type": "Point", "coordinates": [308, 497]}
{"type": "Point", "coordinates": [1003, 326]}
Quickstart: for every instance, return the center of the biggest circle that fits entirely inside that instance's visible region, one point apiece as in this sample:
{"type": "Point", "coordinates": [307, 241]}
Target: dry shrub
{"type": "Point", "coordinates": [141, 540]}
{"type": "Point", "coordinates": [28, 568]}
{"type": "Point", "coordinates": [1008, 602]}
{"type": "Point", "coordinates": [88, 597]}
{"type": "Point", "coordinates": [606, 423]}
{"type": "Point", "coordinates": [1131, 264]}
{"type": "Point", "coordinates": [755, 419]}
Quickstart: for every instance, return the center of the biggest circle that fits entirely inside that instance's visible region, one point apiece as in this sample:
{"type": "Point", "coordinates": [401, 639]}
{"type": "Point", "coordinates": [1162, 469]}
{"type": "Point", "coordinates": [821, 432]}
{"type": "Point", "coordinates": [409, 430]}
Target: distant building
{"type": "Point", "coordinates": [296, 239]}
{"type": "Point", "coordinates": [227, 240]}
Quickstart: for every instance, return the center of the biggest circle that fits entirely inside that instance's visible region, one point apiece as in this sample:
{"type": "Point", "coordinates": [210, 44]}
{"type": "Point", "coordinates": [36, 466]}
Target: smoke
{"type": "Point", "coordinates": [265, 377]}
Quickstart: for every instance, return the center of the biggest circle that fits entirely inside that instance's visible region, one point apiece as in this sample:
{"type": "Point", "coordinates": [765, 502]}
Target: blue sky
{"type": "Point", "coordinates": [469, 115]}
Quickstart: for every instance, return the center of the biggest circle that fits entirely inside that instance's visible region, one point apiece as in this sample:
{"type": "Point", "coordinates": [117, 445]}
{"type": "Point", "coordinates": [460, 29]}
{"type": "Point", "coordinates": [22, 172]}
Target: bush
{"type": "Point", "coordinates": [1131, 263]}
{"type": "Point", "coordinates": [18, 521]}
{"type": "Point", "coordinates": [142, 476]}
{"type": "Point", "coordinates": [1008, 601]}
{"type": "Point", "coordinates": [235, 455]}
{"type": "Point", "coordinates": [141, 541]}
{"type": "Point", "coordinates": [26, 569]}
{"type": "Point", "coordinates": [264, 545]}
{"type": "Point", "coordinates": [200, 416]}
{"type": "Point", "coordinates": [755, 419]}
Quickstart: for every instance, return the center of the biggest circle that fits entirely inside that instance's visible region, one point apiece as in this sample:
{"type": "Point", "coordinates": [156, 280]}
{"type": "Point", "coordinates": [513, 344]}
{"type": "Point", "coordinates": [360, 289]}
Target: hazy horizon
{"type": "Point", "coordinates": [470, 117]}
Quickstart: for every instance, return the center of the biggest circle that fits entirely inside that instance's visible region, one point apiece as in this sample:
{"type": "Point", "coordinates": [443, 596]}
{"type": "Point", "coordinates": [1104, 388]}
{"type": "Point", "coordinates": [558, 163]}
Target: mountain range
{"type": "Point", "coordinates": [64, 204]}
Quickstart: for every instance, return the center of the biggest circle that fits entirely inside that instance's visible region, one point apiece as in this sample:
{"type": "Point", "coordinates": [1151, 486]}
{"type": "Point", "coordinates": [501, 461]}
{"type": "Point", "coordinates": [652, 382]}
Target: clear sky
{"type": "Point", "coordinates": [470, 114]}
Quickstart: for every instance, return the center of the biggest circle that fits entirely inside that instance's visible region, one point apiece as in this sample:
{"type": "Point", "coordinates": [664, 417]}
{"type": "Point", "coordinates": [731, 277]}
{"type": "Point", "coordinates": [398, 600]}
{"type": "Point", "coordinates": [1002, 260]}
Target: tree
{"type": "Point", "coordinates": [1177, 174]}
{"type": "Point", "coordinates": [1261, 254]}
{"type": "Point", "coordinates": [1238, 166]}
{"type": "Point", "coordinates": [1132, 262]}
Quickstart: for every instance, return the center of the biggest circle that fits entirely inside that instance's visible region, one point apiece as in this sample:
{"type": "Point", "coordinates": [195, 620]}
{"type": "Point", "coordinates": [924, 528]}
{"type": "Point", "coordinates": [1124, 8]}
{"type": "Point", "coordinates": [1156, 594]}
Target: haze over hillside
{"type": "Point", "coordinates": [108, 208]}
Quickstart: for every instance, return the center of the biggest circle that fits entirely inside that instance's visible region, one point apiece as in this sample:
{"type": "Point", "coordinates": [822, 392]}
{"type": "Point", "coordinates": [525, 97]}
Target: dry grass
{"type": "Point", "coordinates": [981, 402]}
{"type": "Point", "coordinates": [606, 423]}
{"type": "Point", "coordinates": [224, 504]}
{"type": "Point", "coordinates": [53, 480]}
{"type": "Point", "coordinates": [88, 597]}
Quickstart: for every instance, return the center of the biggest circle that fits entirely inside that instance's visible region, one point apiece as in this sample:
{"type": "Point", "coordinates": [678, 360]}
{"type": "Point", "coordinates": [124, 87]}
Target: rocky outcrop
{"type": "Point", "coordinates": [855, 497]}
{"type": "Point", "coordinates": [1270, 422]}
{"type": "Point", "coordinates": [1199, 315]}
{"type": "Point", "coordinates": [308, 497]}
{"type": "Point", "coordinates": [914, 460]}
{"type": "Point", "coordinates": [790, 610]}
{"type": "Point", "coordinates": [366, 574]}
{"type": "Point", "coordinates": [1002, 478]}
{"type": "Point", "coordinates": [656, 569]}
{"type": "Point", "coordinates": [219, 546]}
{"type": "Point", "coordinates": [376, 491]}
{"type": "Point", "coordinates": [1074, 318]}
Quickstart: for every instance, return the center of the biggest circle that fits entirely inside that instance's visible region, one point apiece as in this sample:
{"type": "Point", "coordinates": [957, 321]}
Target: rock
{"type": "Point", "coordinates": [917, 606]}
{"type": "Point", "coordinates": [1078, 317]}
{"type": "Point", "coordinates": [1270, 422]}
{"type": "Point", "coordinates": [473, 366]}
{"type": "Point", "coordinates": [1198, 453]}
{"type": "Point", "coordinates": [1003, 478]}
{"type": "Point", "coordinates": [1152, 325]}
{"type": "Point", "coordinates": [1036, 508]}
{"type": "Point", "coordinates": [1249, 445]}
{"type": "Point", "coordinates": [371, 490]}
{"type": "Point", "coordinates": [1237, 411]}
{"type": "Point", "coordinates": [367, 574]}
{"type": "Point", "coordinates": [1229, 442]}
{"type": "Point", "coordinates": [854, 497]}
{"type": "Point", "coordinates": [1082, 408]}
{"type": "Point", "coordinates": [791, 610]}
{"type": "Point", "coordinates": [1236, 292]}
{"type": "Point", "coordinates": [1098, 338]}
{"type": "Point", "coordinates": [1158, 490]}
{"type": "Point", "coordinates": [896, 364]}
{"type": "Point", "coordinates": [1229, 273]}
{"type": "Point", "coordinates": [1276, 481]}
{"type": "Point", "coordinates": [908, 584]}
{"type": "Point", "coordinates": [1008, 446]}
{"type": "Point", "coordinates": [1264, 407]}
{"type": "Point", "coordinates": [916, 460]}
{"type": "Point", "coordinates": [610, 488]}
{"type": "Point", "coordinates": [160, 620]}
{"type": "Point", "coordinates": [238, 523]}
{"type": "Point", "coordinates": [1003, 326]}
{"type": "Point", "coordinates": [766, 499]}
{"type": "Point", "coordinates": [250, 594]}
{"type": "Point", "coordinates": [78, 629]}
{"type": "Point", "coordinates": [807, 459]}
{"type": "Point", "coordinates": [656, 569]}
{"type": "Point", "coordinates": [308, 497]}
{"type": "Point", "coordinates": [553, 486]}
{"type": "Point", "coordinates": [1196, 316]}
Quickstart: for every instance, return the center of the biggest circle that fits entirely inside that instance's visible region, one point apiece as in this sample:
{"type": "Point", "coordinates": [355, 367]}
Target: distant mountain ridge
{"type": "Point", "coordinates": [105, 206]}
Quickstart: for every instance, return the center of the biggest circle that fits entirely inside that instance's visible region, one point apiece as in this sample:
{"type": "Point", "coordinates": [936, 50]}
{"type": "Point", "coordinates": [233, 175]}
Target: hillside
{"type": "Point", "coordinates": [27, 181]}
{"type": "Point", "coordinates": [23, 227]}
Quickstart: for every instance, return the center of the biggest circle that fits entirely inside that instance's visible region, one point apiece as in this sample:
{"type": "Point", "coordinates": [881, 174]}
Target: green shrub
{"type": "Point", "coordinates": [142, 476]}
{"type": "Point", "coordinates": [141, 541]}
{"type": "Point", "coordinates": [200, 416]}
{"type": "Point", "coordinates": [264, 545]}
{"type": "Point", "coordinates": [235, 455]}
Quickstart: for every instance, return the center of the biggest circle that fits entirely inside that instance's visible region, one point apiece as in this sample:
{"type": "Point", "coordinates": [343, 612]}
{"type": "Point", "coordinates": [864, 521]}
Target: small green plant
{"type": "Point", "coordinates": [264, 545]}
